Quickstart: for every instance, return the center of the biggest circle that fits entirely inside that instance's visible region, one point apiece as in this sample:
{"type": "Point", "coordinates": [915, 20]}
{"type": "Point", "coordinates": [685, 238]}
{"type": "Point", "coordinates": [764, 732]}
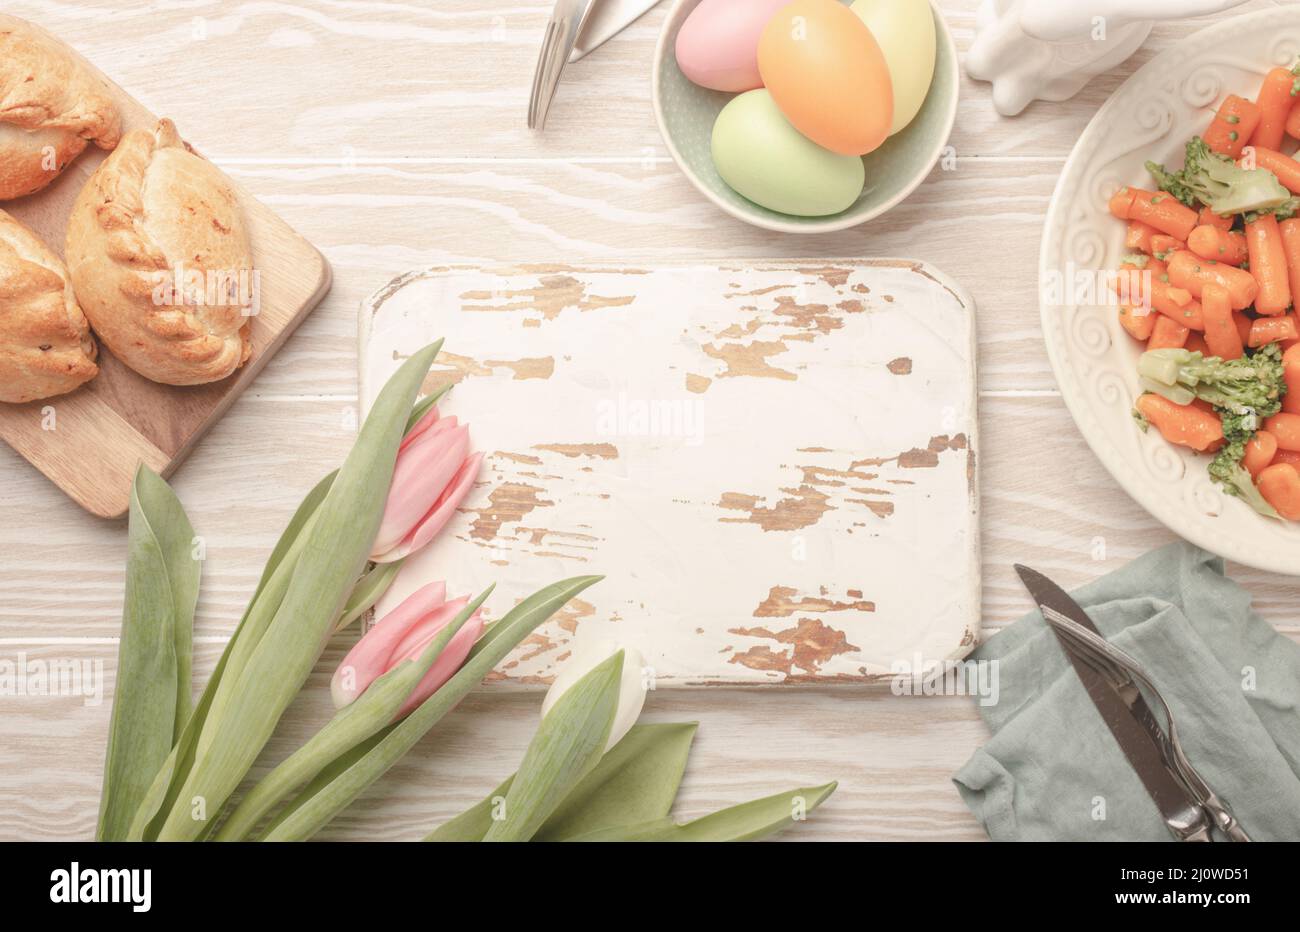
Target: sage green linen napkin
{"type": "Point", "coordinates": [1053, 772]}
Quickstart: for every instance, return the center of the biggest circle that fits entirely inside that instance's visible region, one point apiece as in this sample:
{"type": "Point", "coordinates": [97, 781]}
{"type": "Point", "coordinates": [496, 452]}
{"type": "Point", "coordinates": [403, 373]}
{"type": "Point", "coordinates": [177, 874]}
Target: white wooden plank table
{"type": "Point", "coordinates": [392, 136]}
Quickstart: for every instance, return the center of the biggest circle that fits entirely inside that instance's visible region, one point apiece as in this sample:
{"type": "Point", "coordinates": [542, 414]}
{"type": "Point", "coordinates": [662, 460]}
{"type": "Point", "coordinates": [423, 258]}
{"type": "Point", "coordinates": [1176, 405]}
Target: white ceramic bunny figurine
{"type": "Point", "coordinates": [1049, 49]}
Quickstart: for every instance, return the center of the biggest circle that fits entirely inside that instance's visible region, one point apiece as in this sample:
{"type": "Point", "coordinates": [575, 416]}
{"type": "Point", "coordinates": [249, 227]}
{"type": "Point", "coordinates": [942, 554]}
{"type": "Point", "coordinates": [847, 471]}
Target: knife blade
{"type": "Point", "coordinates": [1179, 809]}
{"type": "Point", "coordinates": [606, 19]}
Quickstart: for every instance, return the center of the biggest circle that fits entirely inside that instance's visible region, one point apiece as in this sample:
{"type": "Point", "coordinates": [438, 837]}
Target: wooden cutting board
{"type": "Point", "coordinates": [90, 441]}
{"type": "Point", "coordinates": [772, 463]}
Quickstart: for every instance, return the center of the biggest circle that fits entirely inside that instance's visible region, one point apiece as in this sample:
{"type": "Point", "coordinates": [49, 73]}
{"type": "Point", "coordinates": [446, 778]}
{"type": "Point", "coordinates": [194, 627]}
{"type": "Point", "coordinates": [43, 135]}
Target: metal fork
{"type": "Point", "coordinates": [1122, 670]}
{"type": "Point", "coordinates": [557, 44]}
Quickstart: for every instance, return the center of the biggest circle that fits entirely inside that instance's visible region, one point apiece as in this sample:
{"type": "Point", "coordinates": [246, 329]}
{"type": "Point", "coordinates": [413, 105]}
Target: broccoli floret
{"type": "Point", "coordinates": [1215, 181]}
{"type": "Point", "coordinates": [1249, 387]}
{"type": "Point", "coordinates": [1172, 183]}
{"type": "Point", "coordinates": [1226, 469]}
{"type": "Point", "coordinates": [1243, 391]}
{"type": "Point", "coordinates": [1284, 211]}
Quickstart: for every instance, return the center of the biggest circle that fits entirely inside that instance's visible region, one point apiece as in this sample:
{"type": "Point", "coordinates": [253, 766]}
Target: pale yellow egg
{"type": "Point", "coordinates": [905, 32]}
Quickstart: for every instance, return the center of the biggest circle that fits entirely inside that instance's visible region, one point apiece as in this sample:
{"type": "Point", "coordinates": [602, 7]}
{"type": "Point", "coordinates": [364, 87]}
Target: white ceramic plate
{"type": "Point", "coordinates": [1151, 116]}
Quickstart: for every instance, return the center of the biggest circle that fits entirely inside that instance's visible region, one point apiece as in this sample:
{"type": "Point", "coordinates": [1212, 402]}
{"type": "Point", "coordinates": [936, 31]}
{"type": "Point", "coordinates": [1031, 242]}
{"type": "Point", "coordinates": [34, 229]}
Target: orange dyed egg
{"type": "Point", "coordinates": [828, 75]}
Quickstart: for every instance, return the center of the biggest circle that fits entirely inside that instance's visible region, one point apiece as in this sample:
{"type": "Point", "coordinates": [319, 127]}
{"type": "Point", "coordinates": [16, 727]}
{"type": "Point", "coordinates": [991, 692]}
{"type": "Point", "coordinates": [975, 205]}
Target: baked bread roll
{"type": "Point", "coordinates": [45, 344]}
{"type": "Point", "coordinates": [160, 259]}
{"type": "Point", "coordinates": [51, 105]}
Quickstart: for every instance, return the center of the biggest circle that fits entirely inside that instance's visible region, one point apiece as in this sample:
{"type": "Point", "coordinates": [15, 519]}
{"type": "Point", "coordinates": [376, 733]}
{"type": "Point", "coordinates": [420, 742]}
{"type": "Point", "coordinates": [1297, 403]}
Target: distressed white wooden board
{"type": "Point", "coordinates": [773, 464]}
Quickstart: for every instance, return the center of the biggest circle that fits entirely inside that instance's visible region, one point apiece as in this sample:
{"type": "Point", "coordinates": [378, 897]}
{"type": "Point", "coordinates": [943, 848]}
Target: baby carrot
{"type": "Point", "coordinates": [1138, 236]}
{"type": "Point", "coordinates": [1260, 450]}
{"type": "Point", "coordinates": [1268, 265]}
{"type": "Point", "coordinates": [1164, 212]}
{"type": "Point", "coordinates": [1232, 126]}
{"type": "Point", "coordinates": [1286, 428]}
{"type": "Point", "coordinates": [1138, 321]}
{"type": "Point", "coordinates": [1286, 456]}
{"type": "Point", "coordinates": [1185, 425]}
{"type": "Point", "coordinates": [1167, 334]}
{"type": "Point", "coordinates": [1284, 167]}
{"type": "Point", "coordinates": [1291, 372]}
{"type": "Point", "coordinates": [1211, 242]}
{"type": "Point", "coordinates": [1132, 284]}
{"type": "Point", "coordinates": [1121, 202]}
{"type": "Point", "coordinates": [1290, 230]}
{"type": "Point", "coordinates": [1293, 120]}
{"type": "Point", "coordinates": [1274, 102]}
{"type": "Point", "coordinates": [1221, 333]}
{"type": "Point", "coordinates": [1266, 330]}
{"type": "Point", "coordinates": [1243, 326]}
{"type": "Point", "coordinates": [1280, 486]}
{"type": "Point", "coordinates": [1164, 245]}
{"type": "Point", "coordinates": [1188, 271]}
{"type": "Point", "coordinates": [1175, 303]}
{"type": "Point", "coordinates": [1208, 217]}
{"type": "Point", "coordinates": [1196, 344]}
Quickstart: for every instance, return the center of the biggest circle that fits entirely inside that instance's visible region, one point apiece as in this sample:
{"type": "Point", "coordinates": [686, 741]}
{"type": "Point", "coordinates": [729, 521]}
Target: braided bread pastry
{"type": "Point", "coordinates": [45, 344]}
{"type": "Point", "coordinates": [51, 105]}
{"type": "Point", "coordinates": [160, 259]}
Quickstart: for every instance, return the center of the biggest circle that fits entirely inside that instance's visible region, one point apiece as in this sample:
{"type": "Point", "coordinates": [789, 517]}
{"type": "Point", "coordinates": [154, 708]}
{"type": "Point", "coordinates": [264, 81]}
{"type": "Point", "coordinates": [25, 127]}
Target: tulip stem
{"type": "Point", "coordinates": [370, 589]}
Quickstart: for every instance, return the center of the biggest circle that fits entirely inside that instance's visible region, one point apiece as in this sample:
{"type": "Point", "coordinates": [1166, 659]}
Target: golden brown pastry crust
{"type": "Point", "coordinates": [45, 344]}
{"type": "Point", "coordinates": [51, 105]}
{"type": "Point", "coordinates": [155, 214]}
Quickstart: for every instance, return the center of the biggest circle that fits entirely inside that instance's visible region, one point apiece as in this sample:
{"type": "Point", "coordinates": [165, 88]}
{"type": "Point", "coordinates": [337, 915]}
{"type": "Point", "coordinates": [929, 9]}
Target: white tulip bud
{"type": "Point", "coordinates": [586, 656]}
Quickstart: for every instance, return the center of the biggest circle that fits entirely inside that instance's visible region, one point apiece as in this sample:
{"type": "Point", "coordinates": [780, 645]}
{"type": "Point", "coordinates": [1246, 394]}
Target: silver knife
{"type": "Point", "coordinates": [1128, 678]}
{"type": "Point", "coordinates": [607, 19]}
{"type": "Point", "coordinates": [1182, 813]}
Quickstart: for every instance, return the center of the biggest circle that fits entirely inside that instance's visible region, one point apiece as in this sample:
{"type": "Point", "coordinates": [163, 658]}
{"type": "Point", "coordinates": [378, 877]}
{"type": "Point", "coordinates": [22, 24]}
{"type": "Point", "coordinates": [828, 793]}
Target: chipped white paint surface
{"type": "Point", "coordinates": [772, 464]}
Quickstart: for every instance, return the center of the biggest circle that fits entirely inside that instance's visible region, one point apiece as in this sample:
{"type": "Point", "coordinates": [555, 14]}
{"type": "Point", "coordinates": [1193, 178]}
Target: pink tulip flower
{"type": "Point", "coordinates": [404, 634]}
{"type": "Point", "coordinates": [433, 474]}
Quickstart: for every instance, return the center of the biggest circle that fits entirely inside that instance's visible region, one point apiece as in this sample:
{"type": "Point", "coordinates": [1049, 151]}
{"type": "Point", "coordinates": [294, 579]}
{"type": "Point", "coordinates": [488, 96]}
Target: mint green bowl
{"type": "Point", "coordinates": [686, 112]}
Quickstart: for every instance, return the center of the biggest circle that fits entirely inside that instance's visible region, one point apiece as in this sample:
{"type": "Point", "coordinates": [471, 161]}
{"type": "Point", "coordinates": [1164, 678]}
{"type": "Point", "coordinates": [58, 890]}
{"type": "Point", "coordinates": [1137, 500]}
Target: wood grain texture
{"type": "Point", "coordinates": [89, 442]}
{"type": "Point", "coordinates": [392, 136]}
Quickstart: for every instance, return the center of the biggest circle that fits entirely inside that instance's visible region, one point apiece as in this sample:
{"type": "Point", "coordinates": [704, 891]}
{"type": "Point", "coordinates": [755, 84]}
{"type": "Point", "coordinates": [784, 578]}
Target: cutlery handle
{"type": "Point", "coordinates": [1235, 832]}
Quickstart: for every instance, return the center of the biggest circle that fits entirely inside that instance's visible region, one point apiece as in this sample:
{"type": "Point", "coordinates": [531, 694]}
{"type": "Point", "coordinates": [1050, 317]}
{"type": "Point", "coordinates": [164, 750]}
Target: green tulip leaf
{"type": "Point", "coordinates": [636, 781]}
{"type": "Point", "coordinates": [474, 822]}
{"type": "Point", "coordinates": [152, 696]}
{"type": "Point", "coordinates": [290, 535]}
{"type": "Point", "coordinates": [165, 789]}
{"type": "Point", "coordinates": [421, 407]}
{"type": "Point", "coordinates": [567, 746]}
{"type": "Point", "coordinates": [746, 822]}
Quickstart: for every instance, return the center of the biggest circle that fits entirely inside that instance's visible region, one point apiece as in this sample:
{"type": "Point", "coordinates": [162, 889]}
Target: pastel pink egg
{"type": "Point", "coordinates": [717, 46]}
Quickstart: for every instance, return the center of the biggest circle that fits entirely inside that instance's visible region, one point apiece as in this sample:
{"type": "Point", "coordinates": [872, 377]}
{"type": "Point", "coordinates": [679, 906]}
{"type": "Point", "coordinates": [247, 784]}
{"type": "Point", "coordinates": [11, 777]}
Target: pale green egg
{"type": "Point", "coordinates": [760, 155]}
